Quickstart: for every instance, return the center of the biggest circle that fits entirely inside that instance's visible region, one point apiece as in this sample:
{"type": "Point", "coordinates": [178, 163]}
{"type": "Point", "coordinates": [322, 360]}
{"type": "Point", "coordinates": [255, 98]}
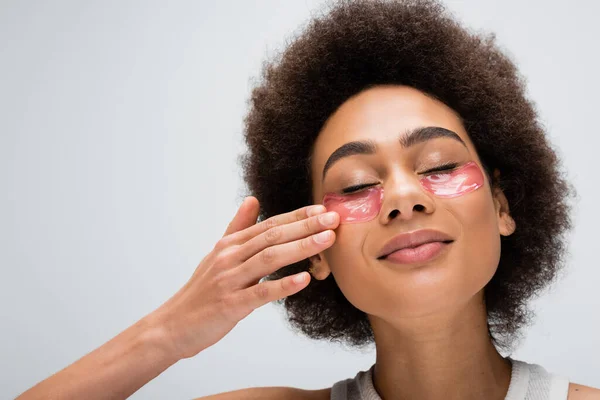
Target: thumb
{"type": "Point", "coordinates": [246, 216]}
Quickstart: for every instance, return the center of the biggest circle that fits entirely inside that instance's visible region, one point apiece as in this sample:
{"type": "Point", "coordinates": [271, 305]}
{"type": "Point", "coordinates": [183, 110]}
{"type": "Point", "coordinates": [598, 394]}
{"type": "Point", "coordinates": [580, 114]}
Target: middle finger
{"type": "Point", "coordinates": [287, 233]}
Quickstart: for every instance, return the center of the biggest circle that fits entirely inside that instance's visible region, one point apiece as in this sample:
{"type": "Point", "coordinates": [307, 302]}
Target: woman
{"type": "Point", "coordinates": [394, 155]}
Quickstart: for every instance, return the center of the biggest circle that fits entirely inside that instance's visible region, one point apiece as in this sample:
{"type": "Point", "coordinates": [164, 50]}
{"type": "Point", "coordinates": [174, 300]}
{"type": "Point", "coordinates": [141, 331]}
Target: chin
{"type": "Point", "coordinates": [414, 292]}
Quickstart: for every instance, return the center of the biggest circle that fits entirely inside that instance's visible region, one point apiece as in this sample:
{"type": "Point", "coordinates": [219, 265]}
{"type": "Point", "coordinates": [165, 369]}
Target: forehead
{"type": "Point", "coordinates": [382, 114]}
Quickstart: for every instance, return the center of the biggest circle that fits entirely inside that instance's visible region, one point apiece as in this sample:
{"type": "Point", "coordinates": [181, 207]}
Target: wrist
{"type": "Point", "coordinates": [155, 335]}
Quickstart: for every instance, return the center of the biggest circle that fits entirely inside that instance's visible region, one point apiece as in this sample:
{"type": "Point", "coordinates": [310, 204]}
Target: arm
{"type": "Point", "coordinates": [581, 392]}
{"type": "Point", "coordinates": [115, 370]}
{"type": "Point", "coordinates": [225, 288]}
{"type": "Point", "coordinates": [271, 393]}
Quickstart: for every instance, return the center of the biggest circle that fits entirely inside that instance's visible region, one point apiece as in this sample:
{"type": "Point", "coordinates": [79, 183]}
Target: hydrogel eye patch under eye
{"type": "Point", "coordinates": [361, 206]}
{"type": "Point", "coordinates": [454, 183]}
{"type": "Point", "coordinates": [364, 205]}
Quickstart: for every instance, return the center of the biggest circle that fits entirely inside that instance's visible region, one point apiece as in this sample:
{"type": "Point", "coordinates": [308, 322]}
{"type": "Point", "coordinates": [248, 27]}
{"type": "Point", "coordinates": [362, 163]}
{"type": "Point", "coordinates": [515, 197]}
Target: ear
{"type": "Point", "coordinates": [319, 268]}
{"type": "Point", "coordinates": [506, 224]}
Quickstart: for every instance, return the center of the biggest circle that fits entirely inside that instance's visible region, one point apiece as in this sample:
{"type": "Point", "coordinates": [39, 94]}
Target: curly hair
{"type": "Point", "coordinates": [362, 43]}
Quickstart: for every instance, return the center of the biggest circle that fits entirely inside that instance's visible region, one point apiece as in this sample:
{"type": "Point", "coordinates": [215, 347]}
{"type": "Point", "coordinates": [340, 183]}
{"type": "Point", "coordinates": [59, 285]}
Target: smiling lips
{"type": "Point", "coordinates": [418, 246]}
{"type": "Point", "coordinates": [422, 253]}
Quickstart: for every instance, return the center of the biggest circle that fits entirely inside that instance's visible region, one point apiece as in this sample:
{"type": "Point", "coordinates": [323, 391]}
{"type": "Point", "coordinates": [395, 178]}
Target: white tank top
{"type": "Point", "coordinates": [527, 382]}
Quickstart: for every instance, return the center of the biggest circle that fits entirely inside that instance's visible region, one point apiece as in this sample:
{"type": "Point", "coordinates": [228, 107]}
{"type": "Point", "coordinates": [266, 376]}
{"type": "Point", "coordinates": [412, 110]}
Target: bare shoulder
{"type": "Point", "coordinates": [581, 392]}
{"type": "Point", "coordinates": [271, 393]}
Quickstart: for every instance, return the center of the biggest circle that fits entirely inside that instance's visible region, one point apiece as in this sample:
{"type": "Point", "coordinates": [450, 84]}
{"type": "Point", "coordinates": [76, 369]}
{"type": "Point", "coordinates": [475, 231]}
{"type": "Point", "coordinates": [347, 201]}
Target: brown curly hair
{"type": "Point", "coordinates": [359, 44]}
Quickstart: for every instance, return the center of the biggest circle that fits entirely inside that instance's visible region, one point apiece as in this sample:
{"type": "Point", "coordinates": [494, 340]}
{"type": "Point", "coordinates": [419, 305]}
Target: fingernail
{"type": "Point", "coordinates": [299, 278]}
{"type": "Point", "coordinates": [322, 237]}
{"type": "Point", "coordinates": [327, 219]}
{"type": "Point", "coordinates": [315, 210]}
{"type": "Point", "coordinates": [245, 201]}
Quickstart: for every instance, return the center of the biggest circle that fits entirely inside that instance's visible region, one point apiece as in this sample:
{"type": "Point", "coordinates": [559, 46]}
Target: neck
{"type": "Point", "coordinates": [445, 356]}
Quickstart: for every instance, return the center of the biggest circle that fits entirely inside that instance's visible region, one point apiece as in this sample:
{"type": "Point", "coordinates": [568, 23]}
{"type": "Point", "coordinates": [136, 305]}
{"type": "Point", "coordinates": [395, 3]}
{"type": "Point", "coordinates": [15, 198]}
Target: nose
{"type": "Point", "coordinates": [403, 195]}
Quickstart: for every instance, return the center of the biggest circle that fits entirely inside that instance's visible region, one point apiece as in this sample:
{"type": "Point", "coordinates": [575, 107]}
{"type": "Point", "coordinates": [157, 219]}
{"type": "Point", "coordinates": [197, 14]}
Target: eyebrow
{"type": "Point", "coordinates": [411, 138]}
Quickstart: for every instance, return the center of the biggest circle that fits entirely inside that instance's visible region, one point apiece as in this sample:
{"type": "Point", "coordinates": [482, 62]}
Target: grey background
{"type": "Point", "coordinates": [120, 128]}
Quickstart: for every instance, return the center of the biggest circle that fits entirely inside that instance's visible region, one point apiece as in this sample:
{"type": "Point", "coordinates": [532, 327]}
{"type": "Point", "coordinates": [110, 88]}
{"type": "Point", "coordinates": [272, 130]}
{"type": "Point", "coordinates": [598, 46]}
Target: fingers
{"type": "Point", "coordinates": [286, 233]}
{"type": "Point", "coordinates": [275, 257]}
{"type": "Point", "coordinates": [268, 291]}
{"type": "Point", "coordinates": [245, 216]}
{"type": "Point", "coordinates": [243, 236]}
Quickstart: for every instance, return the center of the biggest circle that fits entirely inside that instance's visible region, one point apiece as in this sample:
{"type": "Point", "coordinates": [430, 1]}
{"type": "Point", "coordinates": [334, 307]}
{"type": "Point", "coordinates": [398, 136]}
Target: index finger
{"type": "Point", "coordinates": [281, 219]}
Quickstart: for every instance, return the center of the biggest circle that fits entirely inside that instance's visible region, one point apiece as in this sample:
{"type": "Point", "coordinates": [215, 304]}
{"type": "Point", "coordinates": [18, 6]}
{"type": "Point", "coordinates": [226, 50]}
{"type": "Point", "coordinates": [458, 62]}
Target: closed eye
{"type": "Point", "coordinates": [444, 167]}
{"type": "Point", "coordinates": [356, 188]}
{"type": "Point", "coordinates": [440, 168]}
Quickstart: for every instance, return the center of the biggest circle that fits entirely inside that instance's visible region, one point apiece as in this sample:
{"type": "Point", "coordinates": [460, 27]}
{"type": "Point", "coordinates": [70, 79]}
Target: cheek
{"type": "Point", "coordinates": [480, 238]}
{"type": "Point", "coordinates": [353, 271]}
{"type": "Point", "coordinates": [347, 255]}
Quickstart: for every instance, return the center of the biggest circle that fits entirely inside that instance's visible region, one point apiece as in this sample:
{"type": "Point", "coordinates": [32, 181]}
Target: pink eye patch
{"type": "Point", "coordinates": [364, 205]}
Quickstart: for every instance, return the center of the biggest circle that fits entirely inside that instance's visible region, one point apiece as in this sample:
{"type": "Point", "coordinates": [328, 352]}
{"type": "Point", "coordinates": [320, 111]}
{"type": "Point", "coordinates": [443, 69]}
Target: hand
{"type": "Point", "coordinates": [225, 286]}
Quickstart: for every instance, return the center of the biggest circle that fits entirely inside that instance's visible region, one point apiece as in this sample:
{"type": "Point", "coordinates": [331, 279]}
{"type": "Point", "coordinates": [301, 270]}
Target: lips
{"type": "Point", "coordinates": [412, 240]}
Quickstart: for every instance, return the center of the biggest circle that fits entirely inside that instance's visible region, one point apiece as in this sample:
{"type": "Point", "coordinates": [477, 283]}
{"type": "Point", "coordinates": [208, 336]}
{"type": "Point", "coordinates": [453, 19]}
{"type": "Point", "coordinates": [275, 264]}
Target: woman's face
{"type": "Point", "coordinates": [474, 220]}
